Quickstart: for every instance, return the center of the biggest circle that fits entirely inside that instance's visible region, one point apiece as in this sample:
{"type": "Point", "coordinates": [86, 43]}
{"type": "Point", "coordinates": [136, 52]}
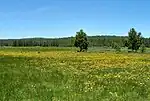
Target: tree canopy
{"type": "Point", "coordinates": [81, 40]}
{"type": "Point", "coordinates": [134, 39]}
{"type": "Point", "coordinates": [93, 41]}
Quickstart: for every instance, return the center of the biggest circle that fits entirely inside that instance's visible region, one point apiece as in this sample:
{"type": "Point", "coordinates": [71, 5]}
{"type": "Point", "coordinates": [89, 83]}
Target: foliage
{"type": "Point", "coordinates": [126, 42]}
{"type": "Point", "coordinates": [81, 40]}
{"type": "Point", "coordinates": [94, 41]}
{"type": "Point", "coordinates": [134, 40]}
{"type": "Point", "coordinates": [55, 43]}
{"type": "Point", "coordinates": [116, 46]}
{"type": "Point", "coordinates": [57, 74]}
{"type": "Point", "coordinates": [143, 48]}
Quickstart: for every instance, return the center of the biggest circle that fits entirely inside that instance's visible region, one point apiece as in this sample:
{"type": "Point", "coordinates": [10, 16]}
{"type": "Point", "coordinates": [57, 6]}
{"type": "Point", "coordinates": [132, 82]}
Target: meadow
{"type": "Point", "coordinates": [62, 74]}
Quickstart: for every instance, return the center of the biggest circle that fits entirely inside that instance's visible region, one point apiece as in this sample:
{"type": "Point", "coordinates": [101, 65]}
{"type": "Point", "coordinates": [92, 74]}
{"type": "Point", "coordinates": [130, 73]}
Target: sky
{"type": "Point", "coordinates": [63, 18]}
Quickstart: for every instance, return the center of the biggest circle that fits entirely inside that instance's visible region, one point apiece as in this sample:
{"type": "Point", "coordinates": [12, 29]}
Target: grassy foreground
{"type": "Point", "coordinates": [54, 74]}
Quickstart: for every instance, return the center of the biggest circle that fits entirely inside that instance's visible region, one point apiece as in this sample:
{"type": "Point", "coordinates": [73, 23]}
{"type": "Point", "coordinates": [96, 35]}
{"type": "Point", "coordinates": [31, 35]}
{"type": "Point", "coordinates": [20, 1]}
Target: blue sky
{"type": "Point", "coordinates": [61, 18]}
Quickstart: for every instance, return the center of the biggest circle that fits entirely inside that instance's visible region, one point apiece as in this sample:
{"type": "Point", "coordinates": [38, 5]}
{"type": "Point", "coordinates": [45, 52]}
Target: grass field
{"type": "Point", "coordinates": [62, 74]}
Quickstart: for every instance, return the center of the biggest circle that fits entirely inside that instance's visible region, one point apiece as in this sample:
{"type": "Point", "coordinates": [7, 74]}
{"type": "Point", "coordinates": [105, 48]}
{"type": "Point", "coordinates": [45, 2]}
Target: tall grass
{"type": "Point", "coordinates": [60, 74]}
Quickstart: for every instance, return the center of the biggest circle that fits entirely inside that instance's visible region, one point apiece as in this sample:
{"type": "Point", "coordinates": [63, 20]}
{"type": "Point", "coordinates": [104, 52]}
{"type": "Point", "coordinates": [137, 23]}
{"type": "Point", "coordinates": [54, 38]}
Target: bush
{"type": "Point", "coordinates": [143, 48]}
{"type": "Point", "coordinates": [116, 47]}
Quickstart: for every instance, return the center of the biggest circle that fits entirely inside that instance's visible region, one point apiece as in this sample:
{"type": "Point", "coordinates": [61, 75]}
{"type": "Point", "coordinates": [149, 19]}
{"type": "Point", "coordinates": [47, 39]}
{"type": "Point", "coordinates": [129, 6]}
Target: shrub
{"type": "Point", "coordinates": [116, 46]}
{"type": "Point", "coordinates": [143, 48]}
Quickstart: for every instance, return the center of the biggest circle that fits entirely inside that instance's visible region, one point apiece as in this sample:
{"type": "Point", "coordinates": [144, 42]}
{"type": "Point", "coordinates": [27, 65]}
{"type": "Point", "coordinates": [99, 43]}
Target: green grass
{"type": "Point", "coordinates": [61, 74]}
{"type": "Point", "coordinates": [34, 49]}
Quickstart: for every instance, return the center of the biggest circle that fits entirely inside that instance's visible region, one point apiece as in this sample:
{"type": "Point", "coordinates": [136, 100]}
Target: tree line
{"type": "Point", "coordinates": [134, 41]}
{"type": "Point", "coordinates": [93, 41]}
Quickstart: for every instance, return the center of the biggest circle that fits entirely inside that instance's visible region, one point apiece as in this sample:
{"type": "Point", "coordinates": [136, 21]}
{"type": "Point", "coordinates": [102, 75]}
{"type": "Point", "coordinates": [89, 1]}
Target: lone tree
{"type": "Point", "coordinates": [134, 40]}
{"type": "Point", "coordinates": [81, 40]}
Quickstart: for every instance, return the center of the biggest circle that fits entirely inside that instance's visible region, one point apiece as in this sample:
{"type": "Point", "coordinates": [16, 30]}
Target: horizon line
{"type": "Point", "coordinates": [46, 37]}
{"type": "Point", "coordinates": [38, 37]}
